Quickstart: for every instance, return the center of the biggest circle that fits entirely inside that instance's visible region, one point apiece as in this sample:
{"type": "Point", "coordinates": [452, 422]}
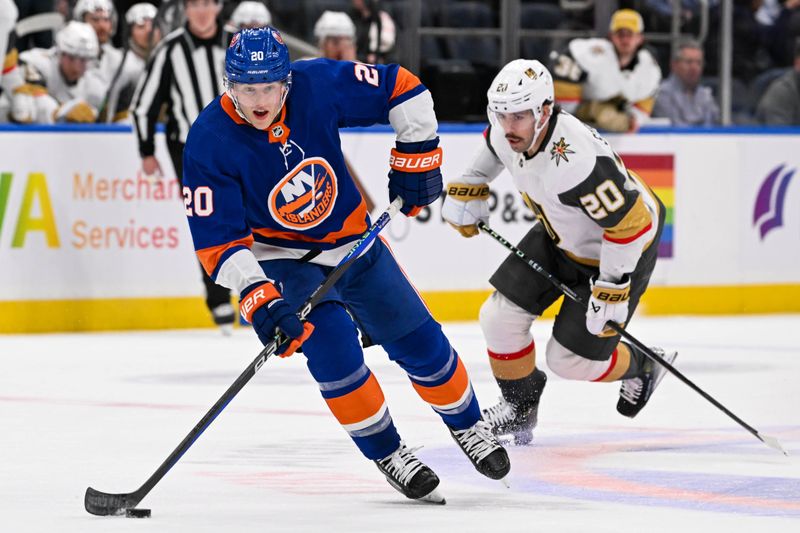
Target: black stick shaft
{"type": "Point", "coordinates": [619, 329]}
{"type": "Point", "coordinates": [100, 503]}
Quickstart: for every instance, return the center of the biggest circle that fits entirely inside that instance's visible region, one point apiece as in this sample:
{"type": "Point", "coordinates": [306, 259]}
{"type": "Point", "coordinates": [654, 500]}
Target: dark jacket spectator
{"type": "Point", "coordinates": [780, 105]}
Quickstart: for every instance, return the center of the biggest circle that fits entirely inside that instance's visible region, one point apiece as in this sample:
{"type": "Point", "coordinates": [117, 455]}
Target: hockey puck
{"type": "Point", "coordinates": [137, 513]}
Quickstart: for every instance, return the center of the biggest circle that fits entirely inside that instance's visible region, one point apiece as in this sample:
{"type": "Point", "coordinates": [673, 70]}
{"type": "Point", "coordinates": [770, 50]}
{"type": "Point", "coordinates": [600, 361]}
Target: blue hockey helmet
{"type": "Point", "coordinates": [257, 55]}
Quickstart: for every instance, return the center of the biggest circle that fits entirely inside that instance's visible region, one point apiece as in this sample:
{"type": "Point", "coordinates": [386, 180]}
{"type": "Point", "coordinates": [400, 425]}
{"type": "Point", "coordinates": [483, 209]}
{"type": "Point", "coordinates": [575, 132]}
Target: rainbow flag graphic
{"type": "Point", "coordinates": [658, 171]}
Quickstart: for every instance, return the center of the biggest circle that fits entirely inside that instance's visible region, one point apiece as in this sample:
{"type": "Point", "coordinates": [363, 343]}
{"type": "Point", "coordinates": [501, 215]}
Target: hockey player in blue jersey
{"type": "Point", "coordinates": [272, 209]}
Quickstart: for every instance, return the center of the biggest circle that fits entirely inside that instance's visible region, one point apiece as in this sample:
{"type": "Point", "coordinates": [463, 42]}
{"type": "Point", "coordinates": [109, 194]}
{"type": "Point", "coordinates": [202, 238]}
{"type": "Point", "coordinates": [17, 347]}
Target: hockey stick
{"type": "Point", "coordinates": [772, 442]}
{"type": "Point", "coordinates": [102, 503]}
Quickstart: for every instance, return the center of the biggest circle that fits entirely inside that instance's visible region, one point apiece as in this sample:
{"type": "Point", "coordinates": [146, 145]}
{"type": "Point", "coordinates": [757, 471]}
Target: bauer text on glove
{"type": "Point", "coordinates": [609, 301]}
{"type": "Point", "coordinates": [465, 205]}
{"type": "Point", "coordinates": [415, 175]}
{"type": "Point", "coordinates": [263, 306]}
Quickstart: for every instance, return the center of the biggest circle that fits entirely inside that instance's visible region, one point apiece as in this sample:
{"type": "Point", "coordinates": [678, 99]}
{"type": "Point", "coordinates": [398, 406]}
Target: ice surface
{"type": "Point", "coordinates": [106, 409]}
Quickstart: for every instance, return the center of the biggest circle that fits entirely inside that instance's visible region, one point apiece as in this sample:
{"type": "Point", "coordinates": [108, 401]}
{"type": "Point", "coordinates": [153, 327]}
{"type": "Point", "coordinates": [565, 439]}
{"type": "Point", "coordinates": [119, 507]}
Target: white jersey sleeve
{"type": "Point", "coordinates": [486, 165]}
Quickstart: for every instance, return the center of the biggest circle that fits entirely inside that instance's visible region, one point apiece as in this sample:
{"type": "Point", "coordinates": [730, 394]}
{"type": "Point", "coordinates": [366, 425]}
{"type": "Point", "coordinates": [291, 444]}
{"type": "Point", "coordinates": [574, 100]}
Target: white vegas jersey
{"type": "Point", "coordinates": [42, 64]}
{"type": "Point", "coordinates": [593, 208]}
{"type": "Point", "coordinates": [108, 62]}
{"type": "Point", "coordinates": [605, 79]}
{"type": "Point", "coordinates": [590, 71]}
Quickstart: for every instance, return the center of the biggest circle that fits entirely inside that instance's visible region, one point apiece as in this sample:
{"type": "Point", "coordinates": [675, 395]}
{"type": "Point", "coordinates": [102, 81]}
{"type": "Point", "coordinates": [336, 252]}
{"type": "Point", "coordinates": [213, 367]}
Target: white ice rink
{"type": "Point", "coordinates": [106, 409]}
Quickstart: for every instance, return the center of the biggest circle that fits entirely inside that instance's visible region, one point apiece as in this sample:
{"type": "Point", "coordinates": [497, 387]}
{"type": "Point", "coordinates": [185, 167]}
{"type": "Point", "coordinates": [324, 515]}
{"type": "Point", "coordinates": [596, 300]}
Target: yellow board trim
{"type": "Point", "coordinates": [47, 316]}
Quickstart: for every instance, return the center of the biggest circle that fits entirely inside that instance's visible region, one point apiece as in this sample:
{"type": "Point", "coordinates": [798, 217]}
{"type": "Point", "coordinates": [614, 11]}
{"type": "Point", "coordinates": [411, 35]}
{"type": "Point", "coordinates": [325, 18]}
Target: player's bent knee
{"type": "Point", "coordinates": [570, 365]}
{"type": "Point", "coordinates": [506, 326]}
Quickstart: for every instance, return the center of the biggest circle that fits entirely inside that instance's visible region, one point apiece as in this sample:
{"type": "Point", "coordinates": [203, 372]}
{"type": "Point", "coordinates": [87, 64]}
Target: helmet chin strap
{"type": "Point", "coordinates": [537, 130]}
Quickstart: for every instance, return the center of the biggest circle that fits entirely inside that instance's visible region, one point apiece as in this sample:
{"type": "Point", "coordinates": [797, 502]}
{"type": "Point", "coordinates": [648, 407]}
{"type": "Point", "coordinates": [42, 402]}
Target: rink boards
{"type": "Point", "coordinates": [87, 244]}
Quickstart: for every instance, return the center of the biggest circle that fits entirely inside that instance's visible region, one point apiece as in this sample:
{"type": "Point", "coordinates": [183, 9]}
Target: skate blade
{"type": "Point", "coordinates": [505, 482]}
{"type": "Point", "coordinates": [433, 497]}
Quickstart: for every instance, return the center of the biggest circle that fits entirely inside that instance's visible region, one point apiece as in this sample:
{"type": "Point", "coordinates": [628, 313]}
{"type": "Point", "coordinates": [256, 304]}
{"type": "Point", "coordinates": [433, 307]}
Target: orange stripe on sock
{"type": "Point", "coordinates": [359, 404]}
{"type": "Point", "coordinates": [449, 392]}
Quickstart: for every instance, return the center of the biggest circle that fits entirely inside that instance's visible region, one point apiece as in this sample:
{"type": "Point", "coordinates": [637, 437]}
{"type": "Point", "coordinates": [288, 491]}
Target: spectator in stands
{"type": "Point", "coordinates": [335, 34]}
{"type": "Point", "coordinates": [59, 85]}
{"type": "Point", "coordinates": [780, 105]}
{"type": "Point", "coordinates": [609, 83]}
{"type": "Point", "coordinates": [250, 14]}
{"type": "Point", "coordinates": [142, 38]}
{"type": "Point", "coordinates": [778, 20]}
{"type": "Point", "coordinates": [184, 75]}
{"type": "Point", "coordinates": [681, 98]}
{"type": "Point", "coordinates": [375, 31]}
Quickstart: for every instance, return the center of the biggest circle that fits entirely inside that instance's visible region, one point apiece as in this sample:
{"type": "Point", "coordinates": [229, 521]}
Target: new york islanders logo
{"type": "Point", "coordinates": [305, 197]}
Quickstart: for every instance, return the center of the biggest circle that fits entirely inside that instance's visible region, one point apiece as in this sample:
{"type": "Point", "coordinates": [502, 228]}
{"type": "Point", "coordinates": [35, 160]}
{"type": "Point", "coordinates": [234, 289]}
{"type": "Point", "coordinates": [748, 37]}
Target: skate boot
{"type": "Point", "coordinates": [483, 449]}
{"type": "Point", "coordinates": [516, 420]}
{"type": "Point", "coordinates": [224, 315]}
{"type": "Point", "coordinates": [410, 476]}
{"type": "Point", "coordinates": [635, 392]}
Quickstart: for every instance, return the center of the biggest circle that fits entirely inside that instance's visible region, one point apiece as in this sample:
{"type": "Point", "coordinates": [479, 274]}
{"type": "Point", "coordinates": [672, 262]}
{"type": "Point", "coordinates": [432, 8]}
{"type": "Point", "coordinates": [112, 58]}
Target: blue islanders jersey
{"type": "Point", "coordinates": [254, 195]}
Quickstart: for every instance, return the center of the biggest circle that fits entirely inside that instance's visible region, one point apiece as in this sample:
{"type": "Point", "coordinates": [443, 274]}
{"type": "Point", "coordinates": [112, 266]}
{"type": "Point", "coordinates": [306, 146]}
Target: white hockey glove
{"type": "Point", "coordinates": [465, 205]}
{"type": "Point", "coordinates": [609, 301]}
{"type": "Point", "coordinates": [31, 104]}
{"type": "Point", "coordinates": [78, 111]}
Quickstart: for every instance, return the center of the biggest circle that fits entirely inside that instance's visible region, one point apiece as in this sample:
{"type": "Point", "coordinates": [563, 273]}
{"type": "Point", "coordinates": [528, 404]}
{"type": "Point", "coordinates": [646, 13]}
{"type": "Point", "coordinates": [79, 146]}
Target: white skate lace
{"type": "Point", "coordinates": [402, 464]}
{"type": "Point", "coordinates": [500, 414]}
{"type": "Point", "coordinates": [631, 390]}
{"type": "Point", "coordinates": [477, 441]}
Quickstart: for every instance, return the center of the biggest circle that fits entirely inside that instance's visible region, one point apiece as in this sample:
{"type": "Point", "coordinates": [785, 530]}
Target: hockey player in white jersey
{"type": "Point", "coordinates": [58, 84]}
{"type": "Point", "coordinates": [102, 17]}
{"type": "Point", "coordinates": [142, 37]}
{"type": "Point", "coordinates": [609, 83]}
{"type": "Point", "coordinates": [597, 231]}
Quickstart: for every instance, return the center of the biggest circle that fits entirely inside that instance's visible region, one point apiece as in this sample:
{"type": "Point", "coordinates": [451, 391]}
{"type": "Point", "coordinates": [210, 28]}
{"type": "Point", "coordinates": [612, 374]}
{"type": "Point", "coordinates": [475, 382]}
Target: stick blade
{"type": "Point", "coordinates": [103, 504]}
{"type": "Point", "coordinates": [773, 443]}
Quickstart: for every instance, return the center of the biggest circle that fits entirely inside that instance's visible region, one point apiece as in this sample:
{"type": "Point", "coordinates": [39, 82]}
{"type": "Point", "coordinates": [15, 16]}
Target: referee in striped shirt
{"type": "Point", "coordinates": [185, 74]}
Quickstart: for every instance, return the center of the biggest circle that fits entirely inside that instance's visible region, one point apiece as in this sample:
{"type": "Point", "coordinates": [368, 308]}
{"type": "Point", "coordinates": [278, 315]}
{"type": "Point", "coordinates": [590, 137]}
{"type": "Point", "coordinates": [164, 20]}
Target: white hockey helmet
{"type": "Point", "coordinates": [82, 7]}
{"type": "Point", "coordinates": [521, 85]}
{"type": "Point", "coordinates": [90, 6]}
{"type": "Point", "coordinates": [249, 13]}
{"type": "Point", "coordinates": [139, 13]}
{"type": "Point", "coordinates": [334, 24]}
{"type": "Point", "coordinates": [78, 39]}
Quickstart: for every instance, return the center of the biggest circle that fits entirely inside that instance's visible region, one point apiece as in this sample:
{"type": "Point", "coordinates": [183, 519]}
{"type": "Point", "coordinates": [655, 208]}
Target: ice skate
{"type": "Point", "coordinates": [516, 421]}
{"type": "Point", "coordinates": [410, 476]}
{"type": "Point", "coordinates": [507, 420]}
{"type": "Point", "coordinates": [635, 392]}
{"type": "Point", "coordinates": [224, 315]}
{"type": "Point", "coordinates": [483, 449]}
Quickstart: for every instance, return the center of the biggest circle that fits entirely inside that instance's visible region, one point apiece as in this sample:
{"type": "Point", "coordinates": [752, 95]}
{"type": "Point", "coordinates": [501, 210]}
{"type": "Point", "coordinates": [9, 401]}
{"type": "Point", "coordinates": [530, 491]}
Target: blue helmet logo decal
{"type": "Point", "coordinates": [257, 55]}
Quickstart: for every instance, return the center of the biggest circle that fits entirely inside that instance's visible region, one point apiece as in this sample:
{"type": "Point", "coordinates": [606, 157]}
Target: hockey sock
{"type": "Point", "coordinates": [351, 391]}
{"type": "Point", "coordinates": [523, 392]}
{"type": "Point", "coordinates": [437, 374]}
{"type": "Point", "coordinates": [638, 361]}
